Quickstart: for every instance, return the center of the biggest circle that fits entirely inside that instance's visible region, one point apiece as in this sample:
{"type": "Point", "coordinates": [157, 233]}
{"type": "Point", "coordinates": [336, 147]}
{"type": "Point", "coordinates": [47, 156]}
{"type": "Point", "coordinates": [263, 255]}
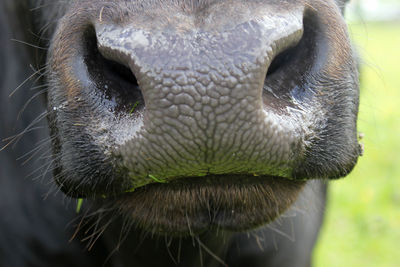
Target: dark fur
{"type": "Point", "coordinates": [39, 225]}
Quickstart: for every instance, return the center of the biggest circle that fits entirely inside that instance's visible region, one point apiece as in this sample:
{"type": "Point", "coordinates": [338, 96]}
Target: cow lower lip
{"type": "Point", "coordinates": [187, 206]}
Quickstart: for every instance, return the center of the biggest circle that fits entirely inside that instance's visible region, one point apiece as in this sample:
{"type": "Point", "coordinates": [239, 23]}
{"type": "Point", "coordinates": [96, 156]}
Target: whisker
{"type": "Point", "coordinates": [28, 44]}
{"type": "Point", "coordinates": [29, 101]}
{"type": "Point", "coordinates": [179, 250]}
{"type": "Point", "coordinates": [46, 165]}
{"type": "Point", "coordinates": [222, 262]}
{"type": "Point", "coordinates": [34, 152]}
{"type": "Point", "coordinates": [38, 36]}
{"type": "Point", "coordinates": [98, 234]}
{"type": "Point", "coordinates": [41, 6]}
{"type": "Point", "coordinates": [200, 254]}
{"type": "Point", "coordinates": [38, 87]}
{"type": "Point", "coordinates": [26, 80]}
{"type": "Point", "coordinates": [280, 232]}
{"type": "Point", "coordinates": [168, 244]}
{"type": "Point", "coordinates": [15, 138]}
{"type": "Point", "coordinates": [125, 229]}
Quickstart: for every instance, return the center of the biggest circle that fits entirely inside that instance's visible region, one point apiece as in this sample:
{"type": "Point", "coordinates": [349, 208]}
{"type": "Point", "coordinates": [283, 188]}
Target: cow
{"type": "Point", "coordinates": [171, 132]}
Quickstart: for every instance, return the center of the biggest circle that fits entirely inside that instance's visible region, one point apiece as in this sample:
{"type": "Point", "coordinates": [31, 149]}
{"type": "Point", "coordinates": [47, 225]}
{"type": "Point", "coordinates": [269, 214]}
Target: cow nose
{"type": "Point", "coordinates": [250, 88]}
{"type": "Point", "coordinates": [203, 98]}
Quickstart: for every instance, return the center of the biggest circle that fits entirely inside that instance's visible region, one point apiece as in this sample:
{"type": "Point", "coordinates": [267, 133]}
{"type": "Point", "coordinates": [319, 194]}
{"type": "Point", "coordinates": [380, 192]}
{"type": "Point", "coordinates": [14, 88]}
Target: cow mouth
{"type": "Point", "coordinates": [192, 205]}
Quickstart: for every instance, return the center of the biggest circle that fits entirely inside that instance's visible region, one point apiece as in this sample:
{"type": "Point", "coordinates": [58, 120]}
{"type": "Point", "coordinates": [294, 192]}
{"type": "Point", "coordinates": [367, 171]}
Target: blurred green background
{"type": "Point", "coordinates": [362, 224]}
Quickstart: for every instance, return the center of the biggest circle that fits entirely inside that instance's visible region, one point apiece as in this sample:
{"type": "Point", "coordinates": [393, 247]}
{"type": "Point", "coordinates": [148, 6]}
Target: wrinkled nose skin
{"type": "Point", "coordinates": [248, 93]}
{"type": "Point", "coordinates": [203, 98]}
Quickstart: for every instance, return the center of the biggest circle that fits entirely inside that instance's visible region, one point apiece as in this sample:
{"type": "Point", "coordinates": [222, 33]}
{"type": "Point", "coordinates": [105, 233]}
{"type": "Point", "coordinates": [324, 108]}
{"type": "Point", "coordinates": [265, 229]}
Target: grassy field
{"type": "Point", "coordinates": [362, 226]}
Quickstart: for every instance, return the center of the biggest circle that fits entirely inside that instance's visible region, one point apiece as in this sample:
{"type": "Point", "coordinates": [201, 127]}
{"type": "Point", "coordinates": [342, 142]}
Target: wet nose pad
{"type": "Point", "coordinates": [203, 99]}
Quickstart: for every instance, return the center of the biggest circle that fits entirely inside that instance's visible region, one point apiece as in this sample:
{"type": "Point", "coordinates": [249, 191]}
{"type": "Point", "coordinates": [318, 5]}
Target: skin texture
{"type": "Point", "coordinates": [182, 123]}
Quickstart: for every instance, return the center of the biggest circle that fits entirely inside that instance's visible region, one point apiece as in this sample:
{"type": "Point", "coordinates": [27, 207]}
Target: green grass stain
{"type": "Point", "coordinates": [130, 190]}
{"type": "Point", "coordinates": [134, 107]}
{"type": "Point", "coordinates": [79, 205]}
{"type": "Point", "coordinates": [156, 179]}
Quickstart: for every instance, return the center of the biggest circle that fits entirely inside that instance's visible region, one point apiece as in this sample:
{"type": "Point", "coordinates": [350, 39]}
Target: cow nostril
{"type": "Point", "coordinates": [282, 59]}
{"type": "Point", "coordinates": [291, 67]}
{"type": "Point", "coordinates": [301, 54]}
{"type": "Point", "coordinates": [115, 81]}
{"type": "Point", "coordinates": [116, 71]}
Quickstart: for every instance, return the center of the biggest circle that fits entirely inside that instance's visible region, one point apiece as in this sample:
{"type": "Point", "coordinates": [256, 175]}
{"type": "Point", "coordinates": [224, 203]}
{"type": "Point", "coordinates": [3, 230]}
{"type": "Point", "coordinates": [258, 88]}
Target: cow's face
{"type": "Point", "coordinates": [196, 113]}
